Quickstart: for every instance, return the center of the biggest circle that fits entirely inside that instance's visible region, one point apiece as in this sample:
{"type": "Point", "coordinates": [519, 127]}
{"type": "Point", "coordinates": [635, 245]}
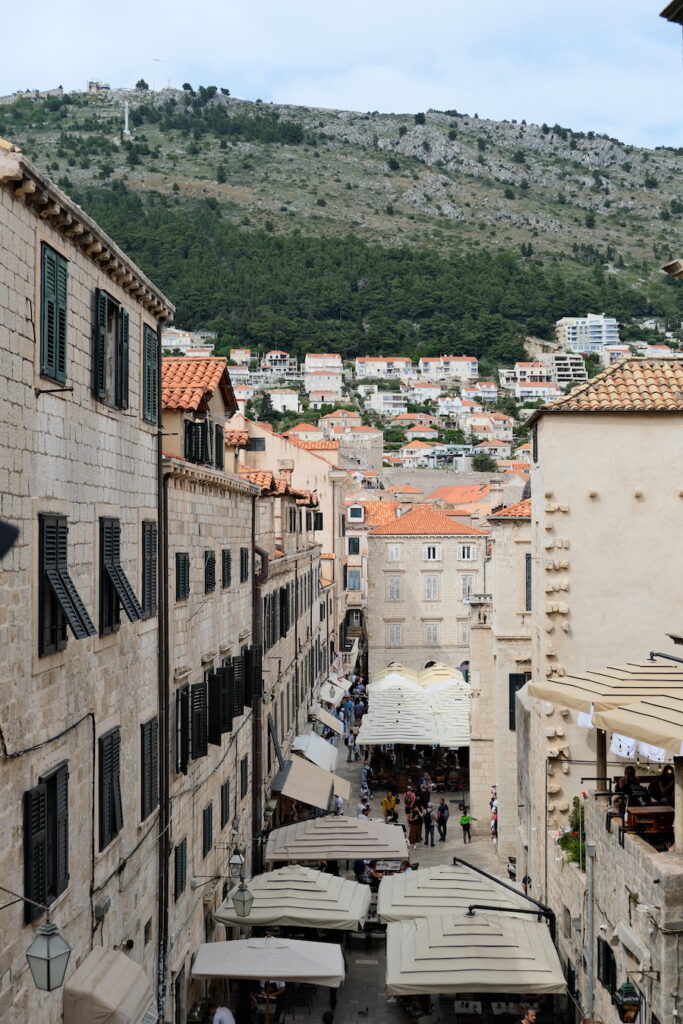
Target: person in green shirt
{"type": "Point", "coordinates": [465, 822]}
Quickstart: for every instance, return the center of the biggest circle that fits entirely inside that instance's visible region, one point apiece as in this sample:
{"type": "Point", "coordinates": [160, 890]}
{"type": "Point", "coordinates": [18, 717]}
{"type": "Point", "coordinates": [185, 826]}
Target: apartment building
{"type": "Point", "coordinates": [339, 418]}
{"type": "Point", "coordinates": [449, 368]}
{"type": "Point", "coordinates": [422, 391]}
{"type": "Point", "coordinates": [213, 658]}
{"type": "Point", "coordinates": [79, 624]}
{"type": "Point", "coordinates": [329, 361]}
{"type": "Point", "coordinates": [240, 356]}
{"type": "Point", "coordinates": [586, 334]}
{"type": "Point", "coordinates": [361, 516]}
{"type": "Point", "coordinates": [423, 568]}
{"type": "Point", "coordinates": [283, 399]}
{"type": "Point", "coordinates": [187, 342]}
{"type": "Point", "coordinates": [604, 524]}
{"type": "Point", "coordinates": [390, 367]}
{"type": "Point", "coordinates": [327, 383]}
{"type": "Point", "coordinates": [564, 367]}
{"type": "Point", "coordinates": [531, 392]}
{"type": "Point", "coordinates": [481, 391]}
{"type": "Point", "coordinates": [387, 403]}
{"type": "Point", "coordinates": [500, 662]}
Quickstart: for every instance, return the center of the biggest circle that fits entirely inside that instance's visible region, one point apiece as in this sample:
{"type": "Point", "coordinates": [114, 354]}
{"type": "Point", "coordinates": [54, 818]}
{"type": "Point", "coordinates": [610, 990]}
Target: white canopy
{"type": "Point", "coordinates": [331, 693]}
{"type": "Point", "coordinates": [317, 750]}
{"type": "Point", "coordinates": [405, 712]}
{"type": "Point", "coordinates": [304, 781]}
{"type": "Point", "coordinates": [316, 963]}
{"type": "Point", "coordinates": [439, 890]}
{"type": "Point", "coordinates": [301, 897]}
{"type": "Point", "coordinates": [325, 718]}
{"type": "Point", "coordinates": [109, 988]}
{"type": "Point", "coordinates": [336, 837]}
{"type": "Point", "coordinates": [392, 681]}
{"type": "Point", "coordinates": [457, 954]}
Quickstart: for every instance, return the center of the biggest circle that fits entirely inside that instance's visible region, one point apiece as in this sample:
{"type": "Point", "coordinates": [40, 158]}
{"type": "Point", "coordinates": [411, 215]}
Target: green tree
{"type": "Point", "coordinates": [393, 164]}
{"type": "Point", "coordinates": [420, 119]}
{"type": "Point", "coordinates": [589, 219]}
{"type": "Point", "coordinates": [483, 463]}
{"type": "Point", "coordinates": [141, 84]}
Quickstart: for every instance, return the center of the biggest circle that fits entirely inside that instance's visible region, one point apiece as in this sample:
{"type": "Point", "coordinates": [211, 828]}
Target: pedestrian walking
{"type": "Point", "coordinates": [350, 741]}
{"type": "Point", "coordinates": [428, 822]}
{"type": "Point", "coordinates": [366, 776]}
{"type": "Point", "coordinates": [338, 805]}
{"type": "Point", "coordinates": [414, 825]}
{"type": "Point", "coordinates": [409, 800]}
{"type": "Point", "coordinates": [529, 1015]}
{"type": "Point", "coordinates": [362, 808]}
{"type": "Point", "coordinates": [465, 822]}
{"type": "Point", "coordinates": [442, 816]}
{"type": "Point", "coordinates": [389, 808]}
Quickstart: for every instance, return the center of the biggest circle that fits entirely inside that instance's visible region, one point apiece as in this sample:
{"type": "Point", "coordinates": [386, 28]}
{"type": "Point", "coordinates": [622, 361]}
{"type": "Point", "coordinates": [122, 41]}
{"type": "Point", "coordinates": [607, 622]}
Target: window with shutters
{"type": "Point", "coordinates": [207, 830]}
{"type": "Point", "coordinates": [58, 600]}
{"type": "Point", "coordinates": [467, 552]}
{"type": "Point", "coordinates": [431, 553]}
{"type": "Point", "coordinates": [607, 966]}
{"type": "Point", "coordinates": [182, 729]}
{"type": "Point", "coordinates": [115, 588]}
{"type": "Point", "coordinates": [318, 520]}
{"type": "Point", "coordinates": [219, 447]}
{"type": "Point", "coordinates": [244, 565]}
{"type": "Point", "coordinates": [464, 633]}
{"type": "Point", "coordinates": [182, 576]}
{"type": "Point", "coordinates": [394, 634]}
{"type": "Point", "coordinates": [110, 805]}
{"type": "Point", "coordinates": [209, 572]}
{"type": "Point", "coordinates": [198, 438]}
{"type": "Point", "coordinates": [149, 761]}
{"type": "Point", "coordinates": [354, 545]}
{"type": "Point", "coordinates": [527, 582]}
{"type": "Point", "coordinates": [225, 804]}
{"type": "Point", "coordinates": [353, 579]}
{"type": "Point", "coordinates": [342, 525]}
{"type": "Point", "coordinates": [53, 314]}
{"type": "Point", "coordinates": [431, 634]}
{"type": "Point", "coordinates": [149, 569]}
{"type": "Point", "coordinates": [393, 552]}
{"type": "Point", "coordinates": [199, 722]}
{"type": "Point", "coordinates": [431, 588]}
{"type": "Point", "coordinates": [238, 687]}
{"type": "Point", "coordinates": [466, 588]}
{"type": "Point", "coordinates": [46, 841]}
{"type": "Point", "coordinates": [534, 443]}
{"type": "Point", "coordinates": [226, 568]}
{"type": "Point", "coordinates": [180, 869]}
{"type": "Point", "coordinates": [150, 375]}
{"type": "Point", "coordinates": [284, 611]}
{"type": "Point", "coordinates": [516, 681]}
{"type": "Point", "coordinates": [244, 776]}
{"type": "Point", "coordinates": [110, 351]}
{"type": "Point", "coordinates": [393, 588]}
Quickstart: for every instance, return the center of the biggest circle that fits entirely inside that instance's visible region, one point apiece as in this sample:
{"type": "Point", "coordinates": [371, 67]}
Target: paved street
{"type": "Point", "coordinates": [363, 989]}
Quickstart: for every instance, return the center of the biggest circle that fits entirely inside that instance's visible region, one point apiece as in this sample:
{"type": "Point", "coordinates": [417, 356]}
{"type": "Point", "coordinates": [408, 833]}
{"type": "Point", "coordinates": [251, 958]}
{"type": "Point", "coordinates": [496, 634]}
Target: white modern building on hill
{"type": "Point", "coordinates": [589, 333]}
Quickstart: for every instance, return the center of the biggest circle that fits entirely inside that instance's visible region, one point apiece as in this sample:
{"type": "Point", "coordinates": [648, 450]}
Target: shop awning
{"type": "Point", "coordinates": [457, 954]}
{"type": "Point", "coordinates": [317, 750]}
{"type": "Point", "coordinates": [336, 837]}
{"type": "Point", "coordinates": [298, 897]}
{"type": "Point", "coordinates": [439, 890]}
{"type": "Point", "coordinates": [331, 693]}
{"type": "Point", "coordinates": [657, 721]}
{"type": "Point", "coordinates": [609, 687]}
{"type": "Point", "coordinates": [314, 963]}
{"type": "Point", "coordinates": [109, 988]}
{"type": "Point", "coordinates": [325, 718]}
{"type": "Point", "coordinates": [301, 780]}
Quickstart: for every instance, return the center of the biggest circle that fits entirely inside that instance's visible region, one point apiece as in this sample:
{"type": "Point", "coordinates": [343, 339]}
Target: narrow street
{"type": "Point", "coordinates": [362, 996]}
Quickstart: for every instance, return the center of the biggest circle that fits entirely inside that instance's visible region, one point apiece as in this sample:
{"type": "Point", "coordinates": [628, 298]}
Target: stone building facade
{"type": "Point", "coordinates": [423, 569]}
{"type": "Point", "coordinates": [78, 611]}
{"type": "Point", "coordinates": [500, 664]}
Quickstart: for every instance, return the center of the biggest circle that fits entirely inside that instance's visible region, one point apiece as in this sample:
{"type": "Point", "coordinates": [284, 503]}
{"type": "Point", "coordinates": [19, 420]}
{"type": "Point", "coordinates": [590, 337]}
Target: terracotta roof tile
{"type": "Point", "coordinates": [460, 494]}
{"type": "Point", "coordinates": [186, 382]}
{"type": "Point", "coordinates": [236, 438]}
{"type": "Point", "coordinates": [633, 385]}
{"type": "Point", "coordinates": [315, 445]}
{"type": "Point", "coordinates": [404, 489]}
{"type": "Point", "coordinates": [426, 523]}
{"type": "Point", "coordinates": [520, 510]}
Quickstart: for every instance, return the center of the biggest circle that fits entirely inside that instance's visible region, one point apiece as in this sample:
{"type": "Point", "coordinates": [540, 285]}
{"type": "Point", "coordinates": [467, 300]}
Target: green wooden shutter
{"type": "Point", "coordinates": [219, 454]}
{"type": "Point", "coordinates": [254, 670]}
{"type": "Point", "coordinates": [226, 568]}
{"type": "Point", "coordinates": [516, 681]}
{"type": "Point", "coordinates": [62, 292]}
{"type": "Point", "coordinates": [527, 582]}
{"type": "Point", "coordinates": [53, 314]}
{"type": "Point", "coordinates": [183, 729]}
{"type": "Point", "coordinates": [225, 804]}
{"type": "Point", "coordinates": [99, 351]}
{"type": "Point", "coordinates": [35, 849]}
{"type": "Point", "coordinates": [214, 716]}
{"type": "Point", "coordinates": [182, 575]}
{"type": "Point", "coordinates": [207, 829]}
{"type": "Point", "coordinates": [149, 568]}
{"type": "Point", "coordinates": [209, 572]}
{"type": "Point", "coordinates": [199, 722]}
{"type": "Point", "coordinates": [61, 784]}
{"type": "Point", "coordinates": [105, 790]}
{"type": "Point", "coordinates": [226, 676]}
{"type": "Point", "coordinates": [150, 376]}
{"type": "Point", "coordinates": [122, 360]}
{"type": "Point", "coordinates": [150, 766]}
{"type": "Point", "coordinates": [180, 866]}
{"type": "Point", "coordinates": [238, 686]}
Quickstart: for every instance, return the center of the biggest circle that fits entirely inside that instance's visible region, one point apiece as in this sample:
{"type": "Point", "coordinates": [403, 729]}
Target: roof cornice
{"type": "Point", "coordinates": [179, 469]}
{"type": "Point", "coordinates": [30, 186]}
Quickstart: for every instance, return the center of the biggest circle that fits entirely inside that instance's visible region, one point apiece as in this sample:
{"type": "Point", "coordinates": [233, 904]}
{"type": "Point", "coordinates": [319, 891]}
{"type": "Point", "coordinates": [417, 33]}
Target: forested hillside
{"type": "Point", "coordinates": [365, 232]}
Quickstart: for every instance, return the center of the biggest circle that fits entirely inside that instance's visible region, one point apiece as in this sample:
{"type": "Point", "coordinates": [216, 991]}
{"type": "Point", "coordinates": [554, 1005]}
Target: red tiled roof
{"type": "Point", "coordinates": [236, 438]}
{"type": "Point", "coordinates": [304, 427]}
{"type": "Point", "coordinates": [633, 385]}
{"type": "Point", "coordinates": [312, 446]}
{"type": "Point", "coordinates": [461, 494]}
{"type": "Point", "coordinates": [186, 383]}
{"type": "Point", "coordinates": [425, 522]}
{"type": "Point", "coordinates": [412, 445]}
{"type": "Point", "coordinates": [404, 489]}
{"type": "Point", "coordinates": [520, 510]}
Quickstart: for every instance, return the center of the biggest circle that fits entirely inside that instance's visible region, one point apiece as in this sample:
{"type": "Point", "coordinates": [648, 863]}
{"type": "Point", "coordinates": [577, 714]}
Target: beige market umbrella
{"type": "Point", "coordinates": [657, 721]}
{"type": "Point", "coordinates": [457, 954]}
{"type": "Point", "coordinates": [396, 668]}
{"type": "Point", "coordinates": [440, 673]}
{"type": "Point", "coordinates": [315, 963]}
{"type": "Point", "coordinates": [609, 687]}
{"type": "Point", "coordinates": [437, 714]}
{"type": "Point", "coordinates": [336, 837]}
{"type": "Point", "coordinates": [317, 750]}
{"type": "Point", "coordinates": [438, 890]}
{"type": "Point", "coordinates": [297, 896]}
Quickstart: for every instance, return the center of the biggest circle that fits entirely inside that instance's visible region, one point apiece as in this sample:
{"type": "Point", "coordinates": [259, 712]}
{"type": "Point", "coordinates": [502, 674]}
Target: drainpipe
{"type": "Point", "coordinates": [257, 703]}
{"type": "Point", "coordinates": [590, 944]}
{"type": "Point", "coordinates": [163, 703]}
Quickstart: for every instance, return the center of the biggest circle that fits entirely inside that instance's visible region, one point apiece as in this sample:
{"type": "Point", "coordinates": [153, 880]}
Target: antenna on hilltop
{"type": "Point", "coordinates": [126, 129]}
{"type": "Point", "coordinates": [155, 61]}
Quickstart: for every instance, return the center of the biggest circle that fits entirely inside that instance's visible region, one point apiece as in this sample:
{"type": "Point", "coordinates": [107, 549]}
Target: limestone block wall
{"type": "Point", "coordinates": [70, 454]}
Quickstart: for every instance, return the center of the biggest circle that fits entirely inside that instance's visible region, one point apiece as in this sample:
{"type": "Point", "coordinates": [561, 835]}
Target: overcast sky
{"type": "Point", "coordinates": [610, 66]}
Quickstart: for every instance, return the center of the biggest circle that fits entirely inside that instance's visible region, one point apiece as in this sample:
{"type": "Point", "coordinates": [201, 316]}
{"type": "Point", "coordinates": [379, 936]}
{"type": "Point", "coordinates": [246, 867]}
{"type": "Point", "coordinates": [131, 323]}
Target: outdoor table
{"type": "Point", "coordinates": [389, 866]}
{"type": "Point", "coordinates": [657, 818]}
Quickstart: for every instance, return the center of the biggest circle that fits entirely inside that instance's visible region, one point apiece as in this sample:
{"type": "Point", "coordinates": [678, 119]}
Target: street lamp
{"type": "Point", "coordinates": [48, 956]}
{"type": "Point", "coordinates": [236, 865]}
{"type": "Point", "coordinates": [242, 900]}
{"type": "Point", "coordinates": [627, 1001]}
